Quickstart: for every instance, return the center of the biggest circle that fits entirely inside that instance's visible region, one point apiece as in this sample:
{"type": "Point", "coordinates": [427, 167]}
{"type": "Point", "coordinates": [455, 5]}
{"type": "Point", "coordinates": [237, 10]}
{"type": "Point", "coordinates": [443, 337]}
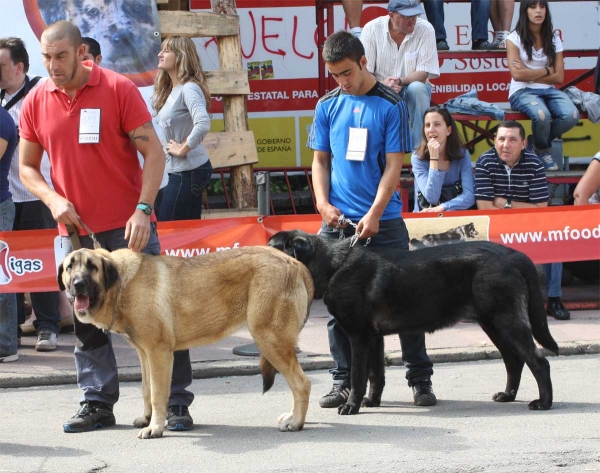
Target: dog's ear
{"type": "Point", "coordinates": [278, 241]}
{"type": "Point", "coordinates": [303, 248]}
{"type": "Point", "coordinates": [111, 274]}
{"type": "Point", "coordinates": [61, 268]}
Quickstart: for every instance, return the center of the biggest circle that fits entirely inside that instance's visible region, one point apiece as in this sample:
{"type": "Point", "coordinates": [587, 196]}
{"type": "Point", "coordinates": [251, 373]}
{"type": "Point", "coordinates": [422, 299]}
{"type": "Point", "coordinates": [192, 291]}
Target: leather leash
{"type": "Point", "coordinates": [74, 236]}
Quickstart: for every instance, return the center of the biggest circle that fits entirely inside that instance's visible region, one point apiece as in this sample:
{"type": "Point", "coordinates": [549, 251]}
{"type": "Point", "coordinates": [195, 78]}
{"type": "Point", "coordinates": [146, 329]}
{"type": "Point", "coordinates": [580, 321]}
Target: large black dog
{"type": "Point", "coordinates": [374, 292]}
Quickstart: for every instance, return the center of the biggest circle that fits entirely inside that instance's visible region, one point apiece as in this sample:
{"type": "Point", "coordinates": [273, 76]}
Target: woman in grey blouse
{"type": "Point", "coordinates": [181, 101]}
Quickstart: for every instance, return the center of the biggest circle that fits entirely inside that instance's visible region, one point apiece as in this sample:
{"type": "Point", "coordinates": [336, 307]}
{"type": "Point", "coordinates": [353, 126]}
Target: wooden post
{"type": "Point", "coordinates": [235, 116]}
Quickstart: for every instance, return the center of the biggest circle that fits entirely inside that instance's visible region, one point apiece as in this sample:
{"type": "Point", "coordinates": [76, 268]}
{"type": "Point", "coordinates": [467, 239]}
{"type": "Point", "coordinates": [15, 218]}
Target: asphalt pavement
{"type": "Point", "coordinates": [464, 342]}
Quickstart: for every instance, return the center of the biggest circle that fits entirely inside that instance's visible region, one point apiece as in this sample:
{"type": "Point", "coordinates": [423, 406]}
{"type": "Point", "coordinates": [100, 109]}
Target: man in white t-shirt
{"type": "Point", "coordinates": [401, 52]}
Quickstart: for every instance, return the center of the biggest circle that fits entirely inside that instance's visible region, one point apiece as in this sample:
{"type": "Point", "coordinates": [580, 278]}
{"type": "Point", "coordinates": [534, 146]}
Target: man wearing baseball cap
{"type": "Point", "coordinates": [401, 52]}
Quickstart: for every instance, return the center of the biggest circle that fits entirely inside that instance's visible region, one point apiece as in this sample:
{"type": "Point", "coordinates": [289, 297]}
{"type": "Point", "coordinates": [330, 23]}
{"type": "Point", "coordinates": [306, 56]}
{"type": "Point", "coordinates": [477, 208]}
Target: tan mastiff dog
{"type": "Point", "coordinates": [163, 304]}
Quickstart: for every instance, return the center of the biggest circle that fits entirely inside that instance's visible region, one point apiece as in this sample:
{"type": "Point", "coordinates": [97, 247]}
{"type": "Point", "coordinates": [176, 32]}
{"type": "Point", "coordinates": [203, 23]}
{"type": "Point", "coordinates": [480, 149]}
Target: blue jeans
{"type": "Point", "coordinates": [417, 96]}
{"type": "Point", "coordinates": [551, 111]}
{"type": "Point", "coordinates": [95, 359]}
{"type": "Point", "coordinates": [553, 273]}
{"type": "Point", "coordinates": [392, 233]}
{"type": "Point", "coordinates": [480, 15]}
{"type": "Point", "coordinates": [35, 215]}
{"type": "Point", "coordinates": [182, 197]}
{"type": "Point", "coordinates": [8, 302]}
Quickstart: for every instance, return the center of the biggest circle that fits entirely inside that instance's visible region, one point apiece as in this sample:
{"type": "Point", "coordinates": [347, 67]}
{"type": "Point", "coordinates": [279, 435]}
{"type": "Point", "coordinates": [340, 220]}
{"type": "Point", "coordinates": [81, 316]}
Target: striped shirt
{"type": "Point", "coordinates": [17, 189]}
{"type": "Point", "coordinates": [418, 51]}
{"type": "Point", "coordinates": [525, 182]}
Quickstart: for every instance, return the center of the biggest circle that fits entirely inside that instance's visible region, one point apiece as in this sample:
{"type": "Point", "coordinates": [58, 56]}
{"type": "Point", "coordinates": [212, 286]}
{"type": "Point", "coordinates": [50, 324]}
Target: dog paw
{"type": "Point", "coordinates": [369, 402]}
{"type": "Point", "coordinates": [141, 421]}
{"type": "Point", "coordinates": [503, 397]}
{"type": "Point", "coordinates": [348, 409]}
{"type": "Point", "coordinates": [287, 423]}
{"type": "Point", "coordinates": [538, 406]}
{"type": "Point", "coordinates": [151, 432]}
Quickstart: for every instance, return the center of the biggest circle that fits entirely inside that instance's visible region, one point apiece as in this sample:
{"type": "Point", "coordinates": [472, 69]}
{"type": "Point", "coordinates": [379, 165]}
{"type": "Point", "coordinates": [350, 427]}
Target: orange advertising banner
{"type": "Point", "coordinates": [29, 259]}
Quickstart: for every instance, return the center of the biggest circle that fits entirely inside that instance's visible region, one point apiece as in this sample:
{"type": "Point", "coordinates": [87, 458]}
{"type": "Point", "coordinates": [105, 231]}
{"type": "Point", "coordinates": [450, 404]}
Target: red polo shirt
{"type": "Point", "coordinates": [102, 180]}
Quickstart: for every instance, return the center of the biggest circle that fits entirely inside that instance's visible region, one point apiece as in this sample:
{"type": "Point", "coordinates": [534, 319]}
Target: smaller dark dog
{"type": "Point", "coordinates": [454, 235]}
{"type": "Point", "coordinates": [374, 292]}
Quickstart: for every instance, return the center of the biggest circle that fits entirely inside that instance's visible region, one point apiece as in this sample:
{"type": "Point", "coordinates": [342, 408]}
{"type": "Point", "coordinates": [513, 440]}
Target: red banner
{"type": "Point", "coordinates": [29, 259]}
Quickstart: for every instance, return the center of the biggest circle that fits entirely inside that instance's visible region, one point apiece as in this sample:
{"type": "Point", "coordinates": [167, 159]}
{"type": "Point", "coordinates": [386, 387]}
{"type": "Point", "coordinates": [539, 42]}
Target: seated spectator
{"type": "Point", "coordinates": [510, 176]}
{"type": "Point", "coordinates": [588, 188]}
{"type": "Point", "coordinates": [353, 12]}
{"type": "Point", "coordinates": [400, 51]}
{"type": "Point", "coordinates": [536, 64]}
{"type": "Point", "coordinates": [8, 302]}
{"type": "Point", "coordinates": [480, 15]}
{"type": "Point", "coordinates": [442, 166]}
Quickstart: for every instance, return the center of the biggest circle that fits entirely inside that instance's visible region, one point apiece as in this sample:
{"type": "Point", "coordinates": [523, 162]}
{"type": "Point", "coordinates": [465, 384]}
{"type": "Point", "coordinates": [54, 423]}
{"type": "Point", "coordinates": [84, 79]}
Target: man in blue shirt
{"type": "Point", "coordinates": [510, 177]}
{"type": "Point", "coordinates": [359, 136]}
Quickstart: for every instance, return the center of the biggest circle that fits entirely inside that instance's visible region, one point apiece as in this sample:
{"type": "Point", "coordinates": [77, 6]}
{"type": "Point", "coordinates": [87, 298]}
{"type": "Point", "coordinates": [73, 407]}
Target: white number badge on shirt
{"type": "Point", "coordinates": [89, 125]}
{"type": "Point", "coordinates": [357, 144]}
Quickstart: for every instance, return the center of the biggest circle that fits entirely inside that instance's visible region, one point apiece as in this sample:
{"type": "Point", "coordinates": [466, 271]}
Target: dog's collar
{"type": "Point", "coordinates": [113, 318]}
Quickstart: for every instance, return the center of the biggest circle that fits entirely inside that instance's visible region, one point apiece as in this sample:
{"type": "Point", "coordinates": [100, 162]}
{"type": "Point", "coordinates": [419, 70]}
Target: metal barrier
{"type": "Point", "coordinates": [405, 186]}
{"type": "Point", "coordinates": [273, 197]}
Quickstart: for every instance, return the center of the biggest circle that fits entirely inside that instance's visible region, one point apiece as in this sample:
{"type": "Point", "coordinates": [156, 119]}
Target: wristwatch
{"type": "Point", "coordinates": [508, 204]}
{"type": "Point", "coordinates": [146, 208]}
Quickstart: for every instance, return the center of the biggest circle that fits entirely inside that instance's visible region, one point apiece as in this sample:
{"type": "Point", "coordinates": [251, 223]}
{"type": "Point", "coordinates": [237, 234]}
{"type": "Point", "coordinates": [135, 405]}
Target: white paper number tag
{"type": "Point", "coordinates": [357, 144]}
{"type": "Point", "coordinates": [89, 125]}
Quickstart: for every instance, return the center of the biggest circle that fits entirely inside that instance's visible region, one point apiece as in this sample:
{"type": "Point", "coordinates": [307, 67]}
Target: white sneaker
{"type": "Point", "coordinates": [46, 341]}
{"type": "Point", "coordinates": [9, 358]}
{"type": "Point", "coordinates": [501, 39]}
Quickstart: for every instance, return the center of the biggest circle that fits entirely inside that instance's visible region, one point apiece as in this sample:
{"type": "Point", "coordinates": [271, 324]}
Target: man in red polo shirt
{"type": "Point", "coordinates": [92, 122]}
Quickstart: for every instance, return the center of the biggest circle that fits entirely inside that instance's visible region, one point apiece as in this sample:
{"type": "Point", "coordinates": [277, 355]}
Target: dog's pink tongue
{"type": "Point", "coordinates": [81, 303]}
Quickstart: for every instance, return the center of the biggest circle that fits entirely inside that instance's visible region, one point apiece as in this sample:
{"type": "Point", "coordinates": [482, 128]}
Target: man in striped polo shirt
{"type": "Point", "coordinates": [510, 177]}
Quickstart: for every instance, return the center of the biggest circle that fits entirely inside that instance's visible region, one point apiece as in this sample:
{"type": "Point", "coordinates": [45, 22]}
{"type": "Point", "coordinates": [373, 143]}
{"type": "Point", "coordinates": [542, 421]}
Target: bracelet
{"type": "Point", "coordinates": [433, 159]}
{"type": "Point", "coordinates": [547, 70]}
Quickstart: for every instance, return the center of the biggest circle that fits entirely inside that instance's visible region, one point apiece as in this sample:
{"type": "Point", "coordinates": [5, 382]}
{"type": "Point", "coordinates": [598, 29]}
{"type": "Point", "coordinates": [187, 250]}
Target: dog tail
{"type": "Point", "coordinates": [268, 372]}
{"type": "Point", "coordinates": [537, 311]}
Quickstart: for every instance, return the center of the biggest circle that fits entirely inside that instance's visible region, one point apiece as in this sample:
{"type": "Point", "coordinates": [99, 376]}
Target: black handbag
{"type": "Point", "coordinates": [448, 193]}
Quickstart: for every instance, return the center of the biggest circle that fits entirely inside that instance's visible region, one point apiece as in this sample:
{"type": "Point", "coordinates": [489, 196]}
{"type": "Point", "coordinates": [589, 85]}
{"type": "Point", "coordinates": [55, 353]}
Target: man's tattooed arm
{"type": "Point", "coordinates": [141, 133]}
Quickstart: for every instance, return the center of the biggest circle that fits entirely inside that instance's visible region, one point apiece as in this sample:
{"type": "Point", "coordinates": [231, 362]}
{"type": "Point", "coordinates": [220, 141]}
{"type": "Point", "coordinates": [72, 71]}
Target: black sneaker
{"type": "Point", "coordinates": [442, 45]}
{"type": "Point", "coordinates": [179, 418]}
{"type": "Point", "coordinates": [336, 397]}
{"type": "Point", "coordinates": [483, 45]}
{"type": "Point", "coordinates": [92, 415]}
{"type": "Point", "coordinates": [423, 394]}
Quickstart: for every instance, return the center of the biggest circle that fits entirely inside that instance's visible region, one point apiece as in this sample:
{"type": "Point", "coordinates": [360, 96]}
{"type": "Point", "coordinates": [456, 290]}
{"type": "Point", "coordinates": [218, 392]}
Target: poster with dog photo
{"type": "Point", "coordinates": [128, 31]}
{"type": "Point", "coordinates": [425, 232]}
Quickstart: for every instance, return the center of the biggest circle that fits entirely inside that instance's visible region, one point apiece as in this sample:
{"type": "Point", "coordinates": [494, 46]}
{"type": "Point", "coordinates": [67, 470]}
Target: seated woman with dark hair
{"type": "Point", "coordinates": [442, 166]}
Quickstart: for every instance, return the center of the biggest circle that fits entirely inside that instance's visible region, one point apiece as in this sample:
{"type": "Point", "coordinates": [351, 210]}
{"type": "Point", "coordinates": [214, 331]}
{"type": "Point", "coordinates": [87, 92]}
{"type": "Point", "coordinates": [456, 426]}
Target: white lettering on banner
{"type": "Point", "coordinates": [191, 252]}
{"type": "Point", "coordinates": [17, 266]}
{"type": "Point", "coordinates": [275, 95]}
{"type": "Point", "coordinates": [22, 266]}
{"type": "Point", "coordinates": [305, 94]}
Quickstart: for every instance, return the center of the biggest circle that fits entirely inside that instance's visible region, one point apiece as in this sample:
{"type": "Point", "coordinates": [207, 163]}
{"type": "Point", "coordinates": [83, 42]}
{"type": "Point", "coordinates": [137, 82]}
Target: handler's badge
{"type": "Point", "coordinates": [89, 125]}
{"type": "Point", "coordinates": [357, 144]}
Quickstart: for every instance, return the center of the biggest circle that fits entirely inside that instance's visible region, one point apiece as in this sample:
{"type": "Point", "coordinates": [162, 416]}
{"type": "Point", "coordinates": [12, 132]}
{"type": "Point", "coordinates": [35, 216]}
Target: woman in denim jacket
{"type": "Point", "coordinates": [181, 100]}
{"type": "Point", "coordinates": [442, 160]}
{"type": "Point", "coordinates": [536, 64]}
